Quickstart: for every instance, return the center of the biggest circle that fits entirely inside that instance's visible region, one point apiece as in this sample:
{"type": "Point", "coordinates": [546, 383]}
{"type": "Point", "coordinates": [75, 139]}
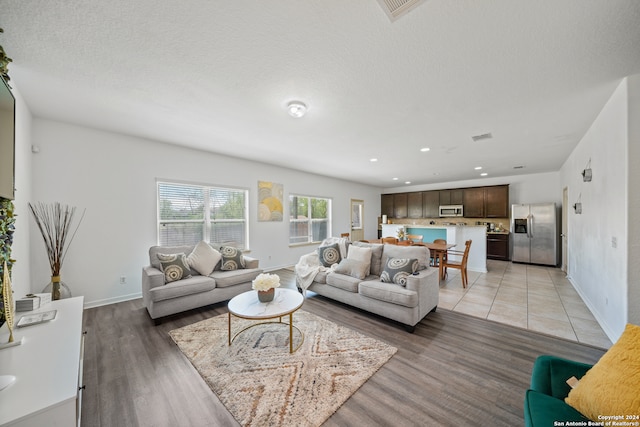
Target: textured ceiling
{"type": "Point", "coordinates": [217, 75]}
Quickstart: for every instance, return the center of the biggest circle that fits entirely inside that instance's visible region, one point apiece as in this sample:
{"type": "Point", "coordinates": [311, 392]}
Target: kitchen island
{"type": "Point", "coordinates": [456, 234]}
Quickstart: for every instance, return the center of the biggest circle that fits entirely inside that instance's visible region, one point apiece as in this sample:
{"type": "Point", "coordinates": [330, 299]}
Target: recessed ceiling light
{"type": "Point", "coordinates": [373, 160]}
{"type": "Point", "coordinates": [296, 109]}
{"type": "Point", "coordinates": [425, 149]}
{"type": "Point", "coordinates": [484, 174]}
{"type": "Point", "coordinates": [395, 179]}
{"type": "Point", "coordinates": [478, 168]}
{"type": "Point", "coordinates": [407, 182]}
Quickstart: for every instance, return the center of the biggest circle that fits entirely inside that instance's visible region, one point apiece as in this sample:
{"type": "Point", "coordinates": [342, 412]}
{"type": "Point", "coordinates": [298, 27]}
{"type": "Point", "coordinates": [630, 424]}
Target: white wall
{"type": "Point", "coordinates": [114, 177]}
{"type": "Point", "coordinates": [633, 197]}
{"type": "Point", "coordinates": [21, 271]}
{"type": "Point", "coordinates": [597, 269]}
{"type": "Point", "coordinates": [531, 188]}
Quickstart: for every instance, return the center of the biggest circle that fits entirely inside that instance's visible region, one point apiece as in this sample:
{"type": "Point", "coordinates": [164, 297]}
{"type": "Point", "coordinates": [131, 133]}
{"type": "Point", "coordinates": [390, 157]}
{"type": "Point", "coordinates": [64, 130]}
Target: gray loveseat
{"type": "Point", "coordinates": [407, 304]}
{"type": "Point", "coordinates": [162, 298]}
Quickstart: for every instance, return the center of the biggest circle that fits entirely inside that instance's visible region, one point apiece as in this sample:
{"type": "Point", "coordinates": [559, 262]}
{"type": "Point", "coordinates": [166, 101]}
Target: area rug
{"type": "Point", "coordinates": [262, 384]}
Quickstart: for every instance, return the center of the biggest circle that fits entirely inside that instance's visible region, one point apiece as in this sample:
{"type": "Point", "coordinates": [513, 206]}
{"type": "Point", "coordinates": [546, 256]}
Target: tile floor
{"type": "Point", "coordinates": [533, 297]}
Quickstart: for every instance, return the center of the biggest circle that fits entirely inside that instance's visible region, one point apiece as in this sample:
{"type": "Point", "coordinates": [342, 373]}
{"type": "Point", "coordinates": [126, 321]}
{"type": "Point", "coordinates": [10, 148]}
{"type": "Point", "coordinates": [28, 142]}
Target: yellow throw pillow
{"type": "Point", "coordinates": [612, 386]}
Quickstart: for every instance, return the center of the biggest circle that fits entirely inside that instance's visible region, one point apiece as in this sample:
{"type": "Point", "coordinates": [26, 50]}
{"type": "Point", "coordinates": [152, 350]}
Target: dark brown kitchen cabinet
{"type": "Point", "coordinates": [498, 246]}
{"type": "Point", "coordinates": [478, 202]}
{"type": "Point", "coordinates": [430, 204]}
{"type": "Point", "coordinates": [451, 197]}
{"type": "Point", "coordinates": [487, 202]}
{"type": "Point", "coordinates": [497, 201]}
{"type": "Point", "coordinates": [400, 205]}
{"type": "Point", "coordinates": [414, 205]}
{"type": "Point", "coordinates": [386, 205]}
{"type": "Point", "coordinates": [473, 205]}
{"type": "Point", "coordinates": [457, 197]}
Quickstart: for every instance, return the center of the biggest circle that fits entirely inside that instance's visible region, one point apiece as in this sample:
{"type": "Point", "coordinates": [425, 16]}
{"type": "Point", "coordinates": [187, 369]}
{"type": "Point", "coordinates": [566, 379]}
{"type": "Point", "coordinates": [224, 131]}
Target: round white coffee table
{"type": "Point", "coordinates": [247, 306]}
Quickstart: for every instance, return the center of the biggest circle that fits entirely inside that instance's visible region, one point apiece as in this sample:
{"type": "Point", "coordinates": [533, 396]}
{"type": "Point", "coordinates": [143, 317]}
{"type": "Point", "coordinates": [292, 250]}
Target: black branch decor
{"type": "Point", "coordinates": [55, 222]}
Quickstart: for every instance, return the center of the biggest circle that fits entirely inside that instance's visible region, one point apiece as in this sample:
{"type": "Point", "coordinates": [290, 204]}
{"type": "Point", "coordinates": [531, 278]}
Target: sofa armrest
{"type": "Point", "coordinates": [251, 262]}
{"type": "Point", "coordinates": [427, 286]}
{"type": "Point", "coordinates": [550, 373]}
{"type": "Point", "coordinates": [151, 278]}
{"type": "Point", "coordinates": [419, 282]}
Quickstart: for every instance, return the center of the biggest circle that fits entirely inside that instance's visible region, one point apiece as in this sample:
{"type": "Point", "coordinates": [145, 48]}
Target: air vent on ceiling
{"type": "Point", "coordinates": [396, 8]}
{"type": "Point", "coordinates": [519, 167]}
{"type": "Point", "coordinates": [477, 138]}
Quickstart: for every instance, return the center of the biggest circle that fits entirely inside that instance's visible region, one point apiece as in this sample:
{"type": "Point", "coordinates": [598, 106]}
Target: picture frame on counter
{"type": "Point", "coordinates": [37, 318]}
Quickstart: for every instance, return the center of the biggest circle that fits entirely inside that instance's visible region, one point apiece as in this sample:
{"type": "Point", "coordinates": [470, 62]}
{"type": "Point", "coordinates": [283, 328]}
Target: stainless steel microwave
{"type": "Point", "coordinates": [451, 210]}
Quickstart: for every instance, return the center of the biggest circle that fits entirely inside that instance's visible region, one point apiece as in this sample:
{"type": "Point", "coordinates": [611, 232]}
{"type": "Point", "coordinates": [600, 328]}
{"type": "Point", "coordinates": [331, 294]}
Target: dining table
{"type": "Point", "coordinates": [438, 250]}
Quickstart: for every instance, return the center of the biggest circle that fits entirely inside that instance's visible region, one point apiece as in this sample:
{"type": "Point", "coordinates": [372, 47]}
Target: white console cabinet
{"type": "Point", "coordinates": [48, 369]}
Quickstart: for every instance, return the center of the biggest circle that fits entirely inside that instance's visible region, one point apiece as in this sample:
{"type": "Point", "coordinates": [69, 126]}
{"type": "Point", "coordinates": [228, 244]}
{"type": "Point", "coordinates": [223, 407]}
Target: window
{"type": "Point", "coordinates": [190, 213]}
{"type": "Point", "coordinates": [309, 219]}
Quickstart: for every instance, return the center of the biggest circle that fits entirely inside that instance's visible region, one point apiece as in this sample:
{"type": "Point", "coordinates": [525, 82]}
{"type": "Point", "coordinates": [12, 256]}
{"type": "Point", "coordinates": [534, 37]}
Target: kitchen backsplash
{"type": "Point", "coordinates": [499, 223]}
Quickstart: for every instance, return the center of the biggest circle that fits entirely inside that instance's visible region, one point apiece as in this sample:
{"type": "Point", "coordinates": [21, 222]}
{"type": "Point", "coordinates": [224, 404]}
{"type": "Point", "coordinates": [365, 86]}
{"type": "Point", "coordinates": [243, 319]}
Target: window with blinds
{"type": "Point", "coordinates": [309, 219]}
{"type": "Point", "coordinates": [190, 213]}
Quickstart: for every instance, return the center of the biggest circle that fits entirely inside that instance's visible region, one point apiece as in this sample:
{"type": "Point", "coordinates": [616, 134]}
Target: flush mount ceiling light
{"type": "Point", "coordinates": [296, 109]}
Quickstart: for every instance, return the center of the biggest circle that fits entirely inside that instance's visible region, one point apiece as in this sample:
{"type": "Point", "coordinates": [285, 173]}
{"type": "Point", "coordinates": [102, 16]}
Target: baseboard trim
{"type": "Point", "coordinates": [605, 327]}
{"type": "Point", "coordinates": [107, 301]}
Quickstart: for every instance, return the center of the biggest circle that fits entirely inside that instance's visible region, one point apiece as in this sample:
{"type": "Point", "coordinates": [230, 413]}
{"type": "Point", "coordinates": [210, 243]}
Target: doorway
{"type": "Point", "coordinates": [563, 234]}
{"type": "Point", "coordinates": [357, 220]}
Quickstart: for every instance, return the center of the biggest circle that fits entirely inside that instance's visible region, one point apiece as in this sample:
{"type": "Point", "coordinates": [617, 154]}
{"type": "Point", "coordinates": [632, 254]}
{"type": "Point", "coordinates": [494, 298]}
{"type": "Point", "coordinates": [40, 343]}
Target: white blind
{"type": "Point", "coordinates": [188, 214]}
{"type": "Point", "coordinates": [227, 216]}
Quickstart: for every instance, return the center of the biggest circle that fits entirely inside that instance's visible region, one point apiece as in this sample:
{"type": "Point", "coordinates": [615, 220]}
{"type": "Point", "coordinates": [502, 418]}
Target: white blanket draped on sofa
{"type": "Point", "coordinates": [309, 265]}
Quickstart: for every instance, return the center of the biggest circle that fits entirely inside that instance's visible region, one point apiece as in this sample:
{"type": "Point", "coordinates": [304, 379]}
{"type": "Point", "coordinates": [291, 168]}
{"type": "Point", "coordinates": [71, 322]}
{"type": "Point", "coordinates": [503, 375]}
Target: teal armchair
{"type": "Point", "coordinates": [544, 401]}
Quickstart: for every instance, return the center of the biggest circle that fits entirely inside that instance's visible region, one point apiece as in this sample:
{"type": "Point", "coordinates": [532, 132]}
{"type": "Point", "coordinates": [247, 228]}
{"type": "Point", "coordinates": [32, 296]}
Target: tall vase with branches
{"type": "Point", "coordinates": [55, 222]}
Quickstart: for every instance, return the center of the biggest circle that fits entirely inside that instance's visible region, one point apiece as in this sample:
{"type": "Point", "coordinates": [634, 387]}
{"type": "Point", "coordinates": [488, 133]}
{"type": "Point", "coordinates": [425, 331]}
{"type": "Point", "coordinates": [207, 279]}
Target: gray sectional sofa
{"type": "Point", "coordinates": [163, 298]}
{"type": "Point", "coordinates": [408, 303]}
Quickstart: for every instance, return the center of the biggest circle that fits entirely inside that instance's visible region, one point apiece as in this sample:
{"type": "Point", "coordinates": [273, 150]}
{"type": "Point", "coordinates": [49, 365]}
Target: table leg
{"type": "Point", "coordinates": [440, 268]}
{"type": "Point", "coordinates": [229, 328]}
{"type": "Point", "coordinates": [290, 332]}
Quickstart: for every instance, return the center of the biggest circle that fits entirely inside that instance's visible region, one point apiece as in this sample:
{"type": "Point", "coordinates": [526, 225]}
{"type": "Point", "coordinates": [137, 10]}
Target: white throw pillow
{"type": "Point", "coordinates": [363, 255]}
{"type": "Point", "coordinates": [204, 258]}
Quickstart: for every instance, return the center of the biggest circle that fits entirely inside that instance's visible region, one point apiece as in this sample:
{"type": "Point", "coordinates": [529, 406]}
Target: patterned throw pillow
{"type": "Point", "coordinates": [232, 258]}
{"type": "Point", "coordinates": [329, 255]}
{"type": "Point", "coordinates": [174, 267]}
{"type": "Point", "coordinates": [398, 269]}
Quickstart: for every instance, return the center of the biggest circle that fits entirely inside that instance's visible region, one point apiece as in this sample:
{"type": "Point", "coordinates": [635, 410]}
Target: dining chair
{"type": "Point", "coordinates": [460, 264]}
{"type": "Point", "coordinates": [435, 257]}
{"type": "Point", "coordinates": [390, 240]}
{"type": "Point", "coordinates": [415, 238]}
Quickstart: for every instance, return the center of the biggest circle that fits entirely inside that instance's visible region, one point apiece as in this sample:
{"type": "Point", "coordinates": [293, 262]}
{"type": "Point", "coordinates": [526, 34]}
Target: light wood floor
{"type": "Point", "coordinates": [455, 370]}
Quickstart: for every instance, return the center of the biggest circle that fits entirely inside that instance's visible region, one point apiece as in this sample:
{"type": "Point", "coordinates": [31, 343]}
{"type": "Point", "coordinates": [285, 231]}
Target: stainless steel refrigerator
{"type": "Point", "coordinates": [534, 232]}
